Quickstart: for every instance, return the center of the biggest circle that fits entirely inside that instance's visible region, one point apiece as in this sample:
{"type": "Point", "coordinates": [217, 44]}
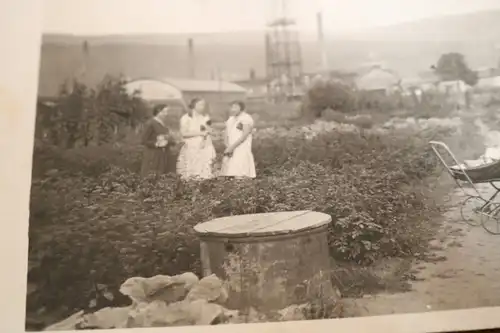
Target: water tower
{"type": "Point", "coordinates": [283, 57]}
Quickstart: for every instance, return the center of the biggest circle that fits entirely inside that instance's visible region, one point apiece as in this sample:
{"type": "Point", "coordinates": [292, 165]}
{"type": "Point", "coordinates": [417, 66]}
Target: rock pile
{"type": "Point", "coordinates": [405, 123]}
{"type": "Point", "coordinates": [159, 301]}
{"type": "Point", "coordinates": [179, 300]}
{"type": "Point", "coordinates": [327, 126]}
{"type": "Point", "coordinates": [321, 126]}
{"type": "Point", "coordinates": [309, 131]}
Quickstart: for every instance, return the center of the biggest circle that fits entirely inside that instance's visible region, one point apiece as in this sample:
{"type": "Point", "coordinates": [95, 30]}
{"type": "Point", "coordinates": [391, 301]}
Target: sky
{"type": "Point", "coordinates": [102, 17]}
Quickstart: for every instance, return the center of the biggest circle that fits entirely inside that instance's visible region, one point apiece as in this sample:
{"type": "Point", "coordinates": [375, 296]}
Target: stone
{"type": "Point", "coordinates": [134, 288]}
{"type": "Point", "coordinates": [183, 313]}
{"type": "Point", "coordinates": [147, 315]}
{"type": "Point", "coordinates": [107, 318]}
{"type": "Point", "coordinates": [229, 316]}
{"type": "Point", "coordinates": [170, 289]}
{"type": "Point", "coordinates": [189, 279]}
{"type": "Point", "coordinates": [155, 305]}
{"type": "Point", "coordinates": [69, 324]}
{"type": "Point", "coordinates": [156, 283]}
{"type": "Point", "coordinates": [293, 312]}
{"type": "Point", "coordinates": [209, 288]}
{"type": "Point", "coordinates": [204, 313]}
{"type": "Point", "coordinates": [136, 315]}
{"type": "Point", "coordinates": [160, 287]}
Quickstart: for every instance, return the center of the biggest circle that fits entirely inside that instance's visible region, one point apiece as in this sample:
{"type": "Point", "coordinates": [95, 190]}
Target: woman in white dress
{"type": "Point", "coordinates": [238, 159]}
{"type": "Point", "coordinates": [197, 155]}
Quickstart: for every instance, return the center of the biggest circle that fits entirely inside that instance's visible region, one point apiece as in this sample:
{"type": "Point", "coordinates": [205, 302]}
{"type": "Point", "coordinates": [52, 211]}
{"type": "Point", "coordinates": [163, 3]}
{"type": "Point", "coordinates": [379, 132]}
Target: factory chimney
{"type": "Point", "coordinates": [321, 43]}
{"type": "Point", "coordinates": [191, 59]}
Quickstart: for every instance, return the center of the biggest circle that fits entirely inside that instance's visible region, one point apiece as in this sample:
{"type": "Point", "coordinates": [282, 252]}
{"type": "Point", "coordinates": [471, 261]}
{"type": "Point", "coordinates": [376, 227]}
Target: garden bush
{"type": "Point", "coordinates": [95, 221]}
{"type": "Point", "coordinates": [84, 116]}
{"type": "Point", "coordinates": [377, 102]}
{"type": "Point", "coordinates": [328, 94]}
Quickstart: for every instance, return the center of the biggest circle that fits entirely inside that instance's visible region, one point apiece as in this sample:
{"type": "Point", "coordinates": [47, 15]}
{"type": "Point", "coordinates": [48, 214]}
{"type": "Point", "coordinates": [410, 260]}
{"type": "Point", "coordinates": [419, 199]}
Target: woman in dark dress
{"type": "Point", "coordinates": [158, 142]}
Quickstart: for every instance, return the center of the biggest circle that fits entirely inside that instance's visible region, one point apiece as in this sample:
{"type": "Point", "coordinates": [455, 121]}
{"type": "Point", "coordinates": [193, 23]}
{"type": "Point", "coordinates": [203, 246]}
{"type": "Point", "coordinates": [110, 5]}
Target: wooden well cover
{"type": "Point", "coordinates": [265, 224]}
{"type": "Point", "coordinates": [270, 261]}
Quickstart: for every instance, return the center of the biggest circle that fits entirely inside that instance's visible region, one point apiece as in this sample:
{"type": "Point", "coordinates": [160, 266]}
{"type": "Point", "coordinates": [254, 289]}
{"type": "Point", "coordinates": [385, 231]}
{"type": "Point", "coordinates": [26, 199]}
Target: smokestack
{"type": "Point", "coordinates": [84, 65]}
{"type": "Point", "coordinates": [497, 55]}
{"type": "Point", "coordinates": [252, 74]}
{"type": "Point", "coordinates": [319, 21]}
{"type": "Point", "coordinates": [191, 59]}
{"type": "Point", "coordinates": [321, 42]}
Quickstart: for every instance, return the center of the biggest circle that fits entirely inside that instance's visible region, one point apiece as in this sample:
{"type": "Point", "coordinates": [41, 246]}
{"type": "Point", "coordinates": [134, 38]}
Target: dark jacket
{"type": "Point", "coordinates": [156, 160]}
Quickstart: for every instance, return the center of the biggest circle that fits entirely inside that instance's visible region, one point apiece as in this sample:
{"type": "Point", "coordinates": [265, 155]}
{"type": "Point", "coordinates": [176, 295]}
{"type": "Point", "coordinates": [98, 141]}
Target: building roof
{"type": "Point", "coordinates": [188, 85]}
{"type": "Point", "coordinates": [256, 81]}
{"type": "Point", "coordinates": [49, 89]}
{"type": "Point", "coordinates": [427, 77]}
{"type": "Point", "coordinates": [486, 72]}
{"type": "Point", "coordinates": [376, 79]}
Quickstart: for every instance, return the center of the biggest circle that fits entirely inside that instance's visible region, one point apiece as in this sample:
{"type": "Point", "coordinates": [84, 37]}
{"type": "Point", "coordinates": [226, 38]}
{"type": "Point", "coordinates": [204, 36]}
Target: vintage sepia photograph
{"type": "Point", "coordinates": [218, 162]}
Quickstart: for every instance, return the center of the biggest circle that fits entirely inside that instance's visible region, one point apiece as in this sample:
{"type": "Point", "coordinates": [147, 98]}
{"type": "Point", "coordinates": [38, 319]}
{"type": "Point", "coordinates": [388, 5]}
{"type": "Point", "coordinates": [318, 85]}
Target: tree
{"type": "Point", "coordinates": [452, 66]}
{"type": "Point", "coordinates": [93, 116]}
{"type": "Point", "coordinates": [328, 94]}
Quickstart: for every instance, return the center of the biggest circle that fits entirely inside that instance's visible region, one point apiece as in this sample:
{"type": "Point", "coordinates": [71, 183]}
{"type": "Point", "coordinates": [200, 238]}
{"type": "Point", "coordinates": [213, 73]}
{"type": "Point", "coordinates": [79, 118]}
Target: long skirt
{"type": "Point", "coordinates": [240, 164]}
{"type": "Point", "coordinates": [156, 161]}
{"type": "Point", "coordinates": [196, 160]}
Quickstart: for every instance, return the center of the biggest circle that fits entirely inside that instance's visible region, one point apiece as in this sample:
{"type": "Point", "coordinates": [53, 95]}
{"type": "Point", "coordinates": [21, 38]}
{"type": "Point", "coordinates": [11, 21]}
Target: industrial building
{"type": "Point", "coordinates": [178, 92]}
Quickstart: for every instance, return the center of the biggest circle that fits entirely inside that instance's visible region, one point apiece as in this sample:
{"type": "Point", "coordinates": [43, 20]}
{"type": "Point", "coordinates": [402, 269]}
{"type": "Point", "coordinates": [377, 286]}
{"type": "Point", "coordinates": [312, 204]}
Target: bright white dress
{"type": "Point", "coordinates": [242, 163]}
{"type": "Point", "coordinates": [197, 155]}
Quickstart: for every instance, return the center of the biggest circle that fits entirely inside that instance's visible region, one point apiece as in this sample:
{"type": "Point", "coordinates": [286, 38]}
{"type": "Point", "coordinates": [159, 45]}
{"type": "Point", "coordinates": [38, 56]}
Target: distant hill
{"type": "Point", "coordinates": [407, 48]}
{"type": "Point", "coordinates": [470, 27]}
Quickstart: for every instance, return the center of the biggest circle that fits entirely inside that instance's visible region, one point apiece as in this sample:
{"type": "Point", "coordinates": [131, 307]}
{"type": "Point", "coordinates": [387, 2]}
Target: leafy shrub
{"type": "Point", "coordinates": [434, 104]}
{"type": "Point", "coordinates": [328, 94]}
{"type": "Point", "coordinates": [265, 112]}
{"type": "Point", "coordinates": [96, 220]}
{"type": "Point", "coordinates": [363, 122]}
{"type": "Point", "coordinates": [332, 115]}
{"type": "Point", "coordinates": [370, 101]}
{"type": "Point", "coordinates": [83, 116]}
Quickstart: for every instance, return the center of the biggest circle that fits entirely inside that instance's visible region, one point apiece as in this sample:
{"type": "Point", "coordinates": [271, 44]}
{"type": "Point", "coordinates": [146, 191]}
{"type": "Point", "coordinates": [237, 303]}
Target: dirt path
{"type": "Point", "coordinates": [465, 274]}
